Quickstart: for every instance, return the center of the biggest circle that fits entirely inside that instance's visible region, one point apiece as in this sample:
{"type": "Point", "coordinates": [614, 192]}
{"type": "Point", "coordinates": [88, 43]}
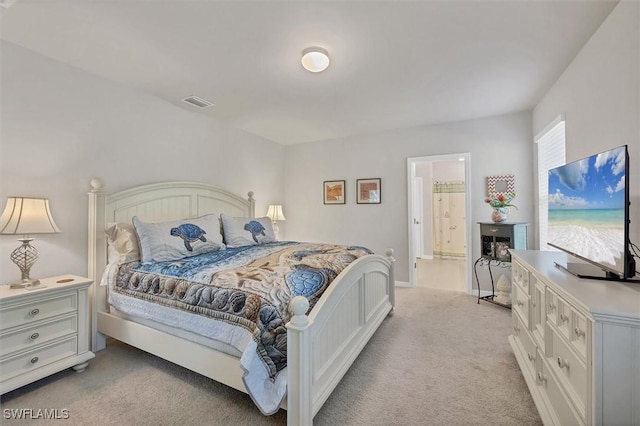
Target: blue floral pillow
{"type": "Point", "coordinates": [244, 231]}
{"type": "Point", "coordinates": [179, 238]}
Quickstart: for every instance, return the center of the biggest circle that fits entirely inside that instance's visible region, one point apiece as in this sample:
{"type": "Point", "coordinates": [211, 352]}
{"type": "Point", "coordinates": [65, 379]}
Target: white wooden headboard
{"type": "Point", "coordinates": [153, 203]}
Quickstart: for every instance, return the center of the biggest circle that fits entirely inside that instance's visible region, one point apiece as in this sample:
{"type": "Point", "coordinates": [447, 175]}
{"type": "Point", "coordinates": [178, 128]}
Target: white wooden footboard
{"type": "Point", "coordinates": [322, 346]}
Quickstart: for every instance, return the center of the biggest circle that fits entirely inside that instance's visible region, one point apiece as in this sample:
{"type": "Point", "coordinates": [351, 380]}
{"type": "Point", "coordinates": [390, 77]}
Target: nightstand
{"type": "Point", "coordinates": [43, 331]}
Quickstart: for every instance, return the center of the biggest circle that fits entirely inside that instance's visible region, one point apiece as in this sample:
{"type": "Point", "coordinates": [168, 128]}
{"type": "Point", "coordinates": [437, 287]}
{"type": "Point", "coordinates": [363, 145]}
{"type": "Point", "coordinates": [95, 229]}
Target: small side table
{"type": "Point", "coordinates": [43, 331]}
{"type": "Point", "coordinates": [496, 241]}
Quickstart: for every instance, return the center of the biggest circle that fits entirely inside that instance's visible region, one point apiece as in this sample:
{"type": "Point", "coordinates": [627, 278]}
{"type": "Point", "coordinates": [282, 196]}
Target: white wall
{"type": "Point", "coordinates": [62, 126]}
{"type": "Point", "coordinates": [600, 95]}
{"type": "Point", "coordinates": [498, 145]}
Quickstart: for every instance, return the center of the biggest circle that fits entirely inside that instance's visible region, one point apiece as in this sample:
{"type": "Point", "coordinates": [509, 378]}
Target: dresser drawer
{"type": "Point", "coordinates": [563, 411]}
{"type": "Point", "coordinates": [520, 276]}
{"type": "Point", "coordinates": [520, 303]}
{"type": "Point", "coordinates": [580, 329]}
{"type": "Point", "coordinates": [570, 369]}
{"type": "Point", "coordinates": [24, 313]}
{"type": "Point", "coordinates": [40, 332]}
{"type": "Point", "coordinates": [526, 344]}
{"type": "Point", "coordinates": [36, 358]}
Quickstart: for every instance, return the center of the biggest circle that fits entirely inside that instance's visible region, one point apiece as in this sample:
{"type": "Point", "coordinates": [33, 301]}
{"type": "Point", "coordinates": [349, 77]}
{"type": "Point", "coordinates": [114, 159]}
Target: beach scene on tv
{"type": "Point", "coordinates": [586, 208]}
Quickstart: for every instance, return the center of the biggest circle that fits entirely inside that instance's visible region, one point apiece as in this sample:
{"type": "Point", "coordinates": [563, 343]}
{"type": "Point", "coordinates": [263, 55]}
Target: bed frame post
{"type": "Point", "coordinates": [299, 365]}
{"type": "Point", "coordinates": [252, 204]}
{"type": "Point", "coordinates": [392, 283]}
{"type": "Point", "coordinates": [96, 259]}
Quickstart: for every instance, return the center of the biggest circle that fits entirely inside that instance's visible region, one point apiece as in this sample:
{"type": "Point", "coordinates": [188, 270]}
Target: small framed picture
{"type": "Point", "coordinates": [334, 192]}
{"type": "Point", "coordinates": [368, 191]}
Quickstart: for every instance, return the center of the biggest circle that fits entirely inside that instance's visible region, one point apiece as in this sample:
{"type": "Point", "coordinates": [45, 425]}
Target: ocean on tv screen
{"type": "Point", "coordinates": [587, 208]}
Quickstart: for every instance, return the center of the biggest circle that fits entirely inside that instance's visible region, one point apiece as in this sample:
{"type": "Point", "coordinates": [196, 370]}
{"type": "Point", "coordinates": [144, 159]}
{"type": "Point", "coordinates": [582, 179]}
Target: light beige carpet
{"type": "Point", "coordinates": [441, 359]}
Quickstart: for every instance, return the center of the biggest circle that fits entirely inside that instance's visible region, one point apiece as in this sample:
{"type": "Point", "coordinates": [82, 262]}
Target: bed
{"type": "Point", "coordinates": [321, 343]}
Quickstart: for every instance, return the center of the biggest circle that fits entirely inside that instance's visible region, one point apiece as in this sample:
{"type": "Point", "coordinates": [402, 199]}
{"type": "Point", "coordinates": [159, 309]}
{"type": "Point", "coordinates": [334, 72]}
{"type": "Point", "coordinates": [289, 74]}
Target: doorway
{"type": "Point", "coordinates": [439, 221]}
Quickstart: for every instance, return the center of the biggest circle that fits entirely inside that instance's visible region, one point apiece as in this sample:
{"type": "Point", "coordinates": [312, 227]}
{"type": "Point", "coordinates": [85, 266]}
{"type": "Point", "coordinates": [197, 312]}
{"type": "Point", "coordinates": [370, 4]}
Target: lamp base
{"type": "Point", "coordinates": [27, 284]}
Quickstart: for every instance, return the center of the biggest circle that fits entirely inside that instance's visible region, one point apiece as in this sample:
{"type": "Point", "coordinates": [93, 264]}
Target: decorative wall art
{"type": "Point", "coordinates": [368, 191]}
{"type": "Point", "coordinates": [500, 185]}
{"type": "Point", "coordinates": [334, 192]}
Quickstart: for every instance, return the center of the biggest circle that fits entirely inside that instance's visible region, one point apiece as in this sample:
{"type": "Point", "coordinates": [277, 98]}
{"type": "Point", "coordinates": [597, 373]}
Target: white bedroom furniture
{"type": "Point", "coordinates": [577, 342]}
{"type": "Point", "coordinates": [43, 331]}
{"type": "Point", "coordinates": [320, 346]}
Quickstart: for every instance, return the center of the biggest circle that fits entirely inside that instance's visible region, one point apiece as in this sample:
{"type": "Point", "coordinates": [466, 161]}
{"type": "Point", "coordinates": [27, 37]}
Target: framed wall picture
{"type": "Point", "coordinates": [497, 185]}
{"type": "Point", "coordinates": [368, 191]}
{"type": "Point", "coordinates": [334, 192]}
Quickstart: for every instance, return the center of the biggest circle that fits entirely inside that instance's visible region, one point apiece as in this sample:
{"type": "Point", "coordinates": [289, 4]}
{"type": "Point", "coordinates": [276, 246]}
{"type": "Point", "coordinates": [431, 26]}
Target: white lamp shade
{"type": "Point", "coordinates": [23, 215]}
{"type": "Point", "coordinates": [275, 212]}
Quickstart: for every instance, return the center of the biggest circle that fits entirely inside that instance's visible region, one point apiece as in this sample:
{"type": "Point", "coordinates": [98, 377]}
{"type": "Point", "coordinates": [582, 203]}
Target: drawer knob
{"type": "Point", "coordinates": [34, 336]}
{"type": "Point", "coordinates": [563, 363]}
{"type": "Point", "coordinates": [519, 302]}
{"type": "Point", "coordinates": [564, 317]}
{"type": "Point", "coordinates": [542, 377]}
{"type": "Point", "coordinates": [34, 360]}
{"type": "Point", "coordinates": [552, 307]}
{"type": "Point", "coordinates": [579, 332]}
{"type": "Point", "coordinates": [531, 357]}
{"type": "Point", "coordinates": [516, 329]}
{"type": "Point", "coordinates": [34, 312]}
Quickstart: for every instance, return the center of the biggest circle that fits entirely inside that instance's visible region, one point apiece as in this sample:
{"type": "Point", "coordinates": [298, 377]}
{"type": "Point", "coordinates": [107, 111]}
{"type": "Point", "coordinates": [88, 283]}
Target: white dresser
{"type": "Point", "coordinates": [577, 342]}
{"type": "Point", "coordinates": [43, 331]}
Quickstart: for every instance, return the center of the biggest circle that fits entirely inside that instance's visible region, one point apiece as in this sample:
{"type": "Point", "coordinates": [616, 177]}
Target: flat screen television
{"type": "Point", "coordinates": [589, 215]}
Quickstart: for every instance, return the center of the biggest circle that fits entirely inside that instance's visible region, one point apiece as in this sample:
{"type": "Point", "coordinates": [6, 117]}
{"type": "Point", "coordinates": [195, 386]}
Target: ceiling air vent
{"type": "Point", "coordinates": [196, 101]}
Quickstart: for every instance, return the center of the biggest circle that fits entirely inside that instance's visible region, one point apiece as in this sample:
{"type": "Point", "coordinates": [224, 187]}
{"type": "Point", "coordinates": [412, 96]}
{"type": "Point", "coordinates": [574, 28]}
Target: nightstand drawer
{"type": "Point", "coordinates": [24, 313]}
{"type": "Point", "coordinates": [34, 359]}
{"type": "Point", "coordinates": [38, 333]}
{"type": "Point", "coordinates": [495, 231]}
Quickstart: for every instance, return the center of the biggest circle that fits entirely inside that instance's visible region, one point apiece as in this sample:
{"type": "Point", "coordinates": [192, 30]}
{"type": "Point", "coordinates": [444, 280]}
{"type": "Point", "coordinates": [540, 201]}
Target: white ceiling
{"type": "Point", "coordinates": [394, 64]}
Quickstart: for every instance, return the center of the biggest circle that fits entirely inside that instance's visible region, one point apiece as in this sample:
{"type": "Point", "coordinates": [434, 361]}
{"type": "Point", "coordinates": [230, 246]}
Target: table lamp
{"type": "Point", "coordinates": [25, 215]}
{"type": "Point", "coordinates": [275, 214]}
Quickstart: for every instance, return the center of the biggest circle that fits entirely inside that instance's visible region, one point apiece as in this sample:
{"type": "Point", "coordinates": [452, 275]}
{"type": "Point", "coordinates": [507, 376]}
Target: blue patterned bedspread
{"type": "Point", "coordinates": [248, 287]}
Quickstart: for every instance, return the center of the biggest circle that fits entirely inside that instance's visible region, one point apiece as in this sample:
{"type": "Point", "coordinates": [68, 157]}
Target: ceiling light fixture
{"type": "Point", "coordinates": [315, 59]}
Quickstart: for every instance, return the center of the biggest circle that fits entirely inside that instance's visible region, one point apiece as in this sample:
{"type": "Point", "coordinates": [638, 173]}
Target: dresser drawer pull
{"type": "Point", "coordinates": [579, 332]}
{"type": "Point", "coordinates": [563, 363]}
{"type": "Point", "coordinates": [34, 360]}
{"type": "Point", "coordinates": [533, 304]}
{"type": "Point", "coordinates": [564, 317]}
{"type": "Point", "coordinates": [516, 329]}
{"type": "Point", "coordinates": [34, 312]}
{"type": "Point", "coordinates": [34, 336]}
{"type": "Point", "coordinates": [531, 357]}
{"type": "Point", "coordinates": [552, 307]}
{"type": "Point", "coordinates": [519, 302]}
{"type": "Point", "coordinates": [542, 377]}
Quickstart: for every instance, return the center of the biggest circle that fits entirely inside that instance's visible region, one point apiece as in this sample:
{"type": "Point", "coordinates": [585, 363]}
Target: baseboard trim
{"type": "Point", "coordinates": [403, 284]}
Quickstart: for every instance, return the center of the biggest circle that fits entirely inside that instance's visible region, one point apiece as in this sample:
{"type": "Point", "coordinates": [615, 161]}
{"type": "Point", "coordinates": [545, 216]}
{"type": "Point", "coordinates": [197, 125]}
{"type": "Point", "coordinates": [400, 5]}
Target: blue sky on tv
{"type": "Point", "coordinates": [596, 182]}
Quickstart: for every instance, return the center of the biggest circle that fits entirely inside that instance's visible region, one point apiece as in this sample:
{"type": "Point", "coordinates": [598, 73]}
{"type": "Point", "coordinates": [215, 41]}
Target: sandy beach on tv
{"type": "Point", "coordinates": [601, 244]}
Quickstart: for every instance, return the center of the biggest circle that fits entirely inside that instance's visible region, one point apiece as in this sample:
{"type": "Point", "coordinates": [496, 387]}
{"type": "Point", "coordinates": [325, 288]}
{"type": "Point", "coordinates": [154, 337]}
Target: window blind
{"type": "Point", "coordinates": [551, 153]}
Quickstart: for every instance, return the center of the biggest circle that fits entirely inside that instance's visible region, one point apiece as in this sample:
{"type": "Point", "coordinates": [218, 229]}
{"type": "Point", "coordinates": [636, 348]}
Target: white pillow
{"type": "Point", "coordinates": [123, 243]}
{"type": "Point", "coordinates": [179, 238]}
{"type": "Point", "coordinates": [244, 231]}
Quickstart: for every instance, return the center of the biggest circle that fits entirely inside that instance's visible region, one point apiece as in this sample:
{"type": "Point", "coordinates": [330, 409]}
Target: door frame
{"type": "Point", "coordinates": [411, 172]}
